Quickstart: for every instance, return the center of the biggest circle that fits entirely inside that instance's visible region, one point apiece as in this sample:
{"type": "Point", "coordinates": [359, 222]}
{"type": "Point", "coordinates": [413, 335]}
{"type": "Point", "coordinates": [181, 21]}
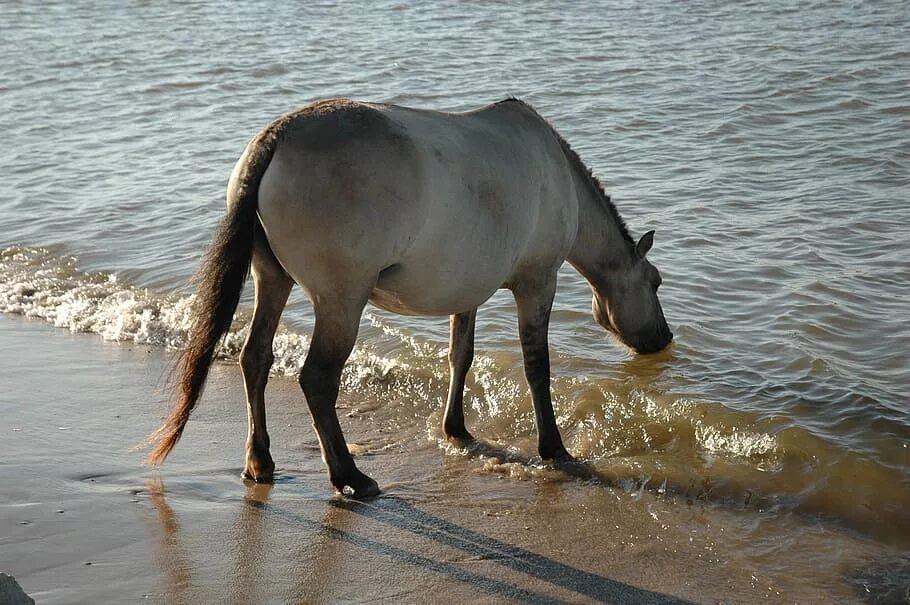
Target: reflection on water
{"type": "Point", "coordinates": [249, 544]}
{"type": "Point", "coordinates": [321, 555]}
{"type": "Point", "coordinates": [169, 554]}
{"type": "Point", "coordinates": [769, 154]}
{"type": "Point", "coordinates": [325, 547]}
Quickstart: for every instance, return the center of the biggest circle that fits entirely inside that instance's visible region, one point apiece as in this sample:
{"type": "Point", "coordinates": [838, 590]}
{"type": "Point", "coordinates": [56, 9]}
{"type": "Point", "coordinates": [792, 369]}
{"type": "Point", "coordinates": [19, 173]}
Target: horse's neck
{"type": "Point", "coordinates": [601, 247]}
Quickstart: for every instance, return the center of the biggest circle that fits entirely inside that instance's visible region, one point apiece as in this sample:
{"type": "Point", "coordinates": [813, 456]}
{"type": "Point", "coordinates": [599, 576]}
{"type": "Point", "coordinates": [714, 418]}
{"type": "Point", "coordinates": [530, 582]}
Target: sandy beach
{"type": "Point", "coordinates": [83, 521]}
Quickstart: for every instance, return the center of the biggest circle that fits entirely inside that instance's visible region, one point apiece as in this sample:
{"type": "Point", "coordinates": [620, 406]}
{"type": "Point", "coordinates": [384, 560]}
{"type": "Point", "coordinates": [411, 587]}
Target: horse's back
{"type": "Point", "coordinates": [443, 208]}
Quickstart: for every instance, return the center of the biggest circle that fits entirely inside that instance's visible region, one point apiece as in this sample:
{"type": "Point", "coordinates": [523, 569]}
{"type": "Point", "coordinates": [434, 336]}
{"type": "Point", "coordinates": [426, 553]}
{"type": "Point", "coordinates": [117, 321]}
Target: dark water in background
{"type": "Point", "coordinates": [768, 143]}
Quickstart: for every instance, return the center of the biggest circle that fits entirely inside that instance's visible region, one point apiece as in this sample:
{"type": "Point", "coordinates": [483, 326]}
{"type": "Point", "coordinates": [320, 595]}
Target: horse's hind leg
{"type": "Point", "coordinates": [273, 286]}
{"type": "Point", "coordinates": [337, 323]}
{"type": "Point", "coordinates": [461, 354]}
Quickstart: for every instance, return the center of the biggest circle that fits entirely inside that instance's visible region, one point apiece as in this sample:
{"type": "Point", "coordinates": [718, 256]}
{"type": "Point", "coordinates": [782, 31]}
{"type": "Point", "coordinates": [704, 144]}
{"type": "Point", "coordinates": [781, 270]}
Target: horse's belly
{"type": "Point", "coordinates": [426, 291]}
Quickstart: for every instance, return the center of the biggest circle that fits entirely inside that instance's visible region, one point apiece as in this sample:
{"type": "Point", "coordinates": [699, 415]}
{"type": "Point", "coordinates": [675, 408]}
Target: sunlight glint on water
{"type": "Point", "coordinates": [768, 147]}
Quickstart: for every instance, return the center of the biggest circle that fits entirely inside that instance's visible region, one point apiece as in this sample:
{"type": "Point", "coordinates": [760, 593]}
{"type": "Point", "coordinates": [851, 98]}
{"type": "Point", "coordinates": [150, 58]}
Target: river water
{"type": "Point", "coordinates": [767, 143]}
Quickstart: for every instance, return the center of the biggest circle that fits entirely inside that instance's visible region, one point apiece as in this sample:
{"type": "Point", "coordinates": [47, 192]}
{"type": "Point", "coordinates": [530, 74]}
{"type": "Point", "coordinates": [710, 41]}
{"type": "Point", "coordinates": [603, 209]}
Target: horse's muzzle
{"type": "Point", "coordinates": [648, 346]}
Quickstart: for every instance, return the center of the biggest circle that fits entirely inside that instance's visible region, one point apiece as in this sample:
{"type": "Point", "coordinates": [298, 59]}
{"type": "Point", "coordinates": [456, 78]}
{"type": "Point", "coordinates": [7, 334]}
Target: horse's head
{"type": "Point", "coordinates": [627, 305]}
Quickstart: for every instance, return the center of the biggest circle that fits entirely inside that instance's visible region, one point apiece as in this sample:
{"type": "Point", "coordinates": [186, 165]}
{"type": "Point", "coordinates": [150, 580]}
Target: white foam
{"type": "Point", "coordinates": [737, 442]}
{"type": "Point", "coordinates": [37, 284]}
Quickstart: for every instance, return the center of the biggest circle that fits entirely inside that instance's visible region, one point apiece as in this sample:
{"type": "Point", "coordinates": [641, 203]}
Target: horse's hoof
{"type": "Point", "coordinates": [462, 438]}
{"type": "Point", "coordinates": [358, 487]}
{"type": "Point", "coordinates": [260, 477]}
{"type": "Point", "coordinates": [259, 465]}
{"type": "Point", "coordinates": [259, 470]}
{"type": "Point", "coordinates": [560, 456]}
{"type": "Point", "coordinates": [365, 492]}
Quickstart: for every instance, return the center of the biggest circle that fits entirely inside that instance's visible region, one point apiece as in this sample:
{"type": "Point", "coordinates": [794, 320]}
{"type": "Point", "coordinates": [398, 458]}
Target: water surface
{"type": "Point", "coordinates": [767, 144]}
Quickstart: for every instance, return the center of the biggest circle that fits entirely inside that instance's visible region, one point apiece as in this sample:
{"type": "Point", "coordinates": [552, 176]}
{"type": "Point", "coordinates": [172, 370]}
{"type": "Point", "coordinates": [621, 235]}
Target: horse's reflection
{"type": "Point", "coordinates": [169, 553]}
{"type": "Point", "coordinates": [320, 562]}
{"type": "Point", "coordinates": [322, 556]}
{"type": "Point", "coordinates": [248, 544]}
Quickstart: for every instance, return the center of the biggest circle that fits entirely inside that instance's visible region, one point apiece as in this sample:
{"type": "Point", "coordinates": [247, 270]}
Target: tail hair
{"type": "Point", "coordinates": [221, 278]}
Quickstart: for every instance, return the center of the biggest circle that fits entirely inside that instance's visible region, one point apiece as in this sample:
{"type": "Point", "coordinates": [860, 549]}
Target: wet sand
{"type": "Point", "coordinates": [82, 520]}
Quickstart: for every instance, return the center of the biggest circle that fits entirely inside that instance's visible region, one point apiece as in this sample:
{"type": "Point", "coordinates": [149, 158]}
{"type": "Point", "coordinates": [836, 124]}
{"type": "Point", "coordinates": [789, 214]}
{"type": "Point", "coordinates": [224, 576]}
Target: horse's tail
{"type": "Point", "coordinates": [221, 279]}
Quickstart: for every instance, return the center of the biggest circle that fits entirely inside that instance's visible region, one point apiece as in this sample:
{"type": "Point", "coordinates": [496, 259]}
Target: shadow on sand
{"type": "Point", "coordinates": [402, 515]}
{"type": "Point", "coordinates": [256, 511]}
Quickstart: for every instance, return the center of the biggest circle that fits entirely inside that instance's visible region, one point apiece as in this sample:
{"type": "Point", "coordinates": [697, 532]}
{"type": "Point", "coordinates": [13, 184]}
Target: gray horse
{"type": "Point", "coordinates": [418, 212]}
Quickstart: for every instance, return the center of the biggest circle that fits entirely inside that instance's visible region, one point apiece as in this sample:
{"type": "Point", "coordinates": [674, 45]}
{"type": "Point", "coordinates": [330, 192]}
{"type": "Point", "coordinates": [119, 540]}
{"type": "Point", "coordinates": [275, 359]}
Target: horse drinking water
{"type": "Point", "coordinates": [419, 212]}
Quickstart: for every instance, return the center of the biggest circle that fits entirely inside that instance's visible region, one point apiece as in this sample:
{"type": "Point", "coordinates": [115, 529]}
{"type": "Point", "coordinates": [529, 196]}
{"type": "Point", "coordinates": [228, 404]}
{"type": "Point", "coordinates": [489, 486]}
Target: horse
{"type": "Point", "coordinates": [417, 212]}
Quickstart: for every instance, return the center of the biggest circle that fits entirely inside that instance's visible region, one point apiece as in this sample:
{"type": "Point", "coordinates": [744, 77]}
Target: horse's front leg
{"type": "Point", "coordinates": [534, 305]}
{"type": "Point", "coordinates": [337, 322]}
{"type": "Point", "coordinates": [461, 354]}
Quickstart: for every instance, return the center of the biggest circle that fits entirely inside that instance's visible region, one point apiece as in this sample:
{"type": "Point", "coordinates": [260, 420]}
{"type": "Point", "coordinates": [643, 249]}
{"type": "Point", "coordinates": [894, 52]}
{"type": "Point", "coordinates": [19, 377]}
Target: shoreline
{"type": "Point", "coordinates": [461, 525]}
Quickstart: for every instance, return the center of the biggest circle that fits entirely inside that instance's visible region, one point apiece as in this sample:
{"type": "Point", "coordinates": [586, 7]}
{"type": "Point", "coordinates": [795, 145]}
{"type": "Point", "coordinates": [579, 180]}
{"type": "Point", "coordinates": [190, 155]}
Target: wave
{"type": "Point", "coordinates": [632, 435]}
{"type": "Point", "coordinates": [40, 283]}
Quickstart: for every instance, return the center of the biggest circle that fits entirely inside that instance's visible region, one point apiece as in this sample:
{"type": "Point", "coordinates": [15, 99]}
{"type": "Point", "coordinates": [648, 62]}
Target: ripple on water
{"type": "Point", "coordinates": [766, 145]}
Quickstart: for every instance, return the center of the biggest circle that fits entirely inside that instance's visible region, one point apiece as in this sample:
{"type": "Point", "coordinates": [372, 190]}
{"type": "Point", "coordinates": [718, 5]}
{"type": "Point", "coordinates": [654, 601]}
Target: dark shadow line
{"type": "Point", "coordinates": [402, 515]}
{"type": "Point", "coordinates": [489, 585]}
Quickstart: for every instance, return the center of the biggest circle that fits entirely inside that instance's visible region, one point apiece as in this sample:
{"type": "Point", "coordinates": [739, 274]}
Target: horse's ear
{"type": "Point", "coordinates": [645, 243]}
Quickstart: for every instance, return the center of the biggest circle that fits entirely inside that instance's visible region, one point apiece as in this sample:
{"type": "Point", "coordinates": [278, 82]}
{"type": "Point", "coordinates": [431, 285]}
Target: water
{"type": "Point", "coordinates": [768, 145]}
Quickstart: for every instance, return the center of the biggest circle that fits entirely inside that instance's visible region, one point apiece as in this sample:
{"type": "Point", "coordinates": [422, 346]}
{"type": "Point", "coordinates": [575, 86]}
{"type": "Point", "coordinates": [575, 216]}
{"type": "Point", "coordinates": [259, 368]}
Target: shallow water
{"type": "Point", "coordinates": [768, 146]}
{"type": "Point", "coordinates": [83, 521]}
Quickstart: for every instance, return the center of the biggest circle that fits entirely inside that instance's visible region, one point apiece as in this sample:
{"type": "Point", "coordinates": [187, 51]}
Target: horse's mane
{"type": "Point", "coordinates": [580, 167]}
